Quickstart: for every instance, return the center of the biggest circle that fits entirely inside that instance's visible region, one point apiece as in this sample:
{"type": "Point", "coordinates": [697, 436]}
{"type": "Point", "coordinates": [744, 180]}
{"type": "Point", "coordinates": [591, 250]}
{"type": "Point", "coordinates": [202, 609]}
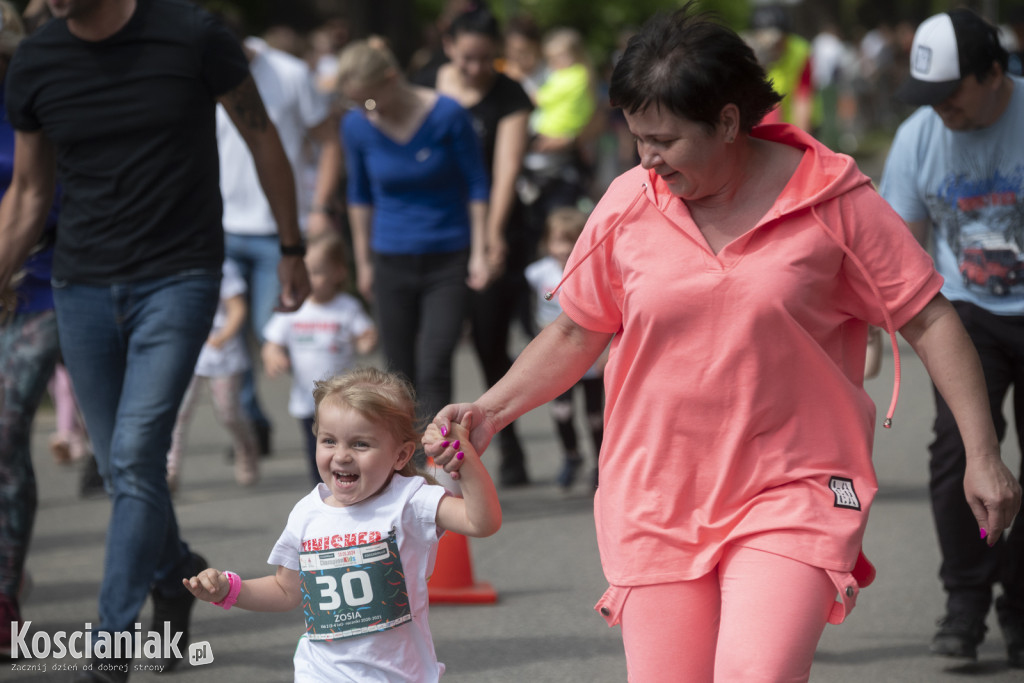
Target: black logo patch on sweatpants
{"type": "Point", "coordinates": [846, 497]}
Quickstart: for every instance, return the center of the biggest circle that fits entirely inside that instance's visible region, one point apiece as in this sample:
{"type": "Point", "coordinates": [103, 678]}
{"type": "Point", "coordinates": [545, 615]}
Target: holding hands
{"type": "Point", "coordinates": [210, 585]}
{"type": "Point", "coordinates": [466, 419]}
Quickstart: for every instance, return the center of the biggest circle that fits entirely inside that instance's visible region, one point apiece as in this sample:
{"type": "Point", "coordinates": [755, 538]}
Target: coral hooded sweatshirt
{"type": "Point", "coordinates": [735, 411]}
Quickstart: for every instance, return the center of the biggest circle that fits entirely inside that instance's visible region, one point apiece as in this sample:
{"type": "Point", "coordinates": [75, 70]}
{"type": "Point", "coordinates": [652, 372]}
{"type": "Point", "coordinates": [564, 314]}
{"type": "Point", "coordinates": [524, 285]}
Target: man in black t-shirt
{"type": "Point", "coordinates": [119, 96]}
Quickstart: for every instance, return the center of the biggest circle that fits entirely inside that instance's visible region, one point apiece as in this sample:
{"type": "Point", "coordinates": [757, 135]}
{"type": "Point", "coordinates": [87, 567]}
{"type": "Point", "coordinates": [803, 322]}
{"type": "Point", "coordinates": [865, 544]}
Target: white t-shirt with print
{"type": "Point", "coordinates": [320, 339]}
{"type": "Point", "coordinates": [404, 653]}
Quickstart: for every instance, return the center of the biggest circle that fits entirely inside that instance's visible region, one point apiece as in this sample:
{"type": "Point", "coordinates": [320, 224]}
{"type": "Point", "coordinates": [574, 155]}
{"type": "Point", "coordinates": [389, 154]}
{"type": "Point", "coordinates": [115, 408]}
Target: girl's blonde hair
{"type": "Point", "coordinates": [385, 398]}
{"type": "Point", "coordinates": [366, 62]}
{"type": "Point", "coordinates": [567, 221]}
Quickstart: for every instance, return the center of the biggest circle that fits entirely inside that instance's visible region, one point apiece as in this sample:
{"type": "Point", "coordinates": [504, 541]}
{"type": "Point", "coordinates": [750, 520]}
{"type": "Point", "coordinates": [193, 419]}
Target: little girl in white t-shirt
{"type": "Point", "coordinates": [357, 551]}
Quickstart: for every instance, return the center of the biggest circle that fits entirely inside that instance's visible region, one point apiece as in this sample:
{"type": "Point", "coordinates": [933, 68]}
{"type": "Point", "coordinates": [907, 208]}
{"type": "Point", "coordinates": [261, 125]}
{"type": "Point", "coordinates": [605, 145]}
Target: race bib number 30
{"type": "Point", "coordinates": [349, 592]}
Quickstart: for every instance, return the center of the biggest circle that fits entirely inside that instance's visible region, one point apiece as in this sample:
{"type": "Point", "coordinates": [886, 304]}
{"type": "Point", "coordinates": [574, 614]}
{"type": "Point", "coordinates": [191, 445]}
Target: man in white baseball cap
{"type": "Point", "coordinates": [956, 168]}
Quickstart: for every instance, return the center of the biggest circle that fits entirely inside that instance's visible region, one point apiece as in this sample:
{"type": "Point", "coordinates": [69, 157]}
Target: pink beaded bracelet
{"type": "Point", "coordinates": [234, 587]}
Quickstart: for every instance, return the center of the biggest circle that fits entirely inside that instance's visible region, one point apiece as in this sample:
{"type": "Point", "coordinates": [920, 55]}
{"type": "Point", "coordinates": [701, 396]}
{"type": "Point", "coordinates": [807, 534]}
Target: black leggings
{"type": "Point", "coordinates": [561, 411]}
{"type": "Point", "coordinates": [421, 304]}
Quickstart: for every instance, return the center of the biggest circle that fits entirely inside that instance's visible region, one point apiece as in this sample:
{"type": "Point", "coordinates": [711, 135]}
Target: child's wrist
{"type": "Point", "coordinates": [234, 587]}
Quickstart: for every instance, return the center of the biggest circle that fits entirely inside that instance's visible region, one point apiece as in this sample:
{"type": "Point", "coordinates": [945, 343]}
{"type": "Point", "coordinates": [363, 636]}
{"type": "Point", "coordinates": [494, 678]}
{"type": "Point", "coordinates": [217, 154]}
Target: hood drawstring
{"type": "Point", "coordinates": [598, 242]}
{"type": "Point", "coordinates": [887, 423]}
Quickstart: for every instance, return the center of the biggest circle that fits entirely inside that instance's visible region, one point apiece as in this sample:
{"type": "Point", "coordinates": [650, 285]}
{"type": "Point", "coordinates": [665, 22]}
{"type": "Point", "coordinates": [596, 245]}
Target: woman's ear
{"type": "Point", "coordinates": [729, 122]}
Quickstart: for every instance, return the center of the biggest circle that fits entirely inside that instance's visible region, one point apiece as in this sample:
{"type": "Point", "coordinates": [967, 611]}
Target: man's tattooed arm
{"type": "Point", "coordinates": [245, 106]}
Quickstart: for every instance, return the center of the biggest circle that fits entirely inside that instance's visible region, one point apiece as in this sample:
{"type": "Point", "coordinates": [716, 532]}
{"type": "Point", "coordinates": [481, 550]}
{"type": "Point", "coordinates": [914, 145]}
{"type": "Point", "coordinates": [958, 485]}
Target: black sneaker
{"type": "Point", "coordinates": [263, 430]}
{"type": "Point", "coordinates": [176, 612]}
{"type": "Point", "coordinates": [1012, 625]}
{"type": "Point", "coordinates": [959, 636]}
{"type": "Point", "coordinates": [513, 476]}
{"type": "Point", "coordinates": [105, 671]}
{"type": "Point", "coordinates": [91, 483]}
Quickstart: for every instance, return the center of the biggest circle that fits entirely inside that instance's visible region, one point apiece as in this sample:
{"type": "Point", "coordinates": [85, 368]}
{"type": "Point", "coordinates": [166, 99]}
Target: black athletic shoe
{"type": "Point", "coordinates": [959, 636]}
{"type": "Point", "coordinates": [263, 430]}
{"type": "Point", "coordinates": [1011, 622]}
{"type": "Point", "coordinates": [176, 611]}
{"type": "Point", "coordinates": [91, 483]}
{"type": "Point", "coordinates": [105, 671]}
{"type": "Point", "coordinates": [513, 476]}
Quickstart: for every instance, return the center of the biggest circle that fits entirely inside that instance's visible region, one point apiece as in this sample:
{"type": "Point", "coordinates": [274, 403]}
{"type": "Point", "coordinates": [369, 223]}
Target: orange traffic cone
{"type": "Point", "coordinates": [452, 581]}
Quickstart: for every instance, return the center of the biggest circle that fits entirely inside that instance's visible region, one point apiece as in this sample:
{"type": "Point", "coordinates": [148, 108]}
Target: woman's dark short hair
{"type": "Point", "coordinates": [692, 66]}
{"type": "Point", "coordinates": [478, 21]}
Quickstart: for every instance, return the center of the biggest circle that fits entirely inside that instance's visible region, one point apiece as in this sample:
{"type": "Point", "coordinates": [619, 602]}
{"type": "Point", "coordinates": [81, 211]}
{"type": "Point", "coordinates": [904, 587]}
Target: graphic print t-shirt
{"type": "Point", "coordinates": [970, 184]}
{"type": "Point", "coordinates": [406, 509]}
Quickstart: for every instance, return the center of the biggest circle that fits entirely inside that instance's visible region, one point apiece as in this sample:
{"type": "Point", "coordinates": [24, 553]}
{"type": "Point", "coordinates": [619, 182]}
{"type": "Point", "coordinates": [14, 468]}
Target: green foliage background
{"type": "Point", "coordinates": [601, 21]}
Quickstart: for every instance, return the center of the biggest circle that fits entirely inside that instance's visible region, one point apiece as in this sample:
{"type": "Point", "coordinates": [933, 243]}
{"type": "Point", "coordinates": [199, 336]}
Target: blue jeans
{"type": "Point", "coordinates": [131, 350]}
{"type": "Point", "coordinates": [257, 257]}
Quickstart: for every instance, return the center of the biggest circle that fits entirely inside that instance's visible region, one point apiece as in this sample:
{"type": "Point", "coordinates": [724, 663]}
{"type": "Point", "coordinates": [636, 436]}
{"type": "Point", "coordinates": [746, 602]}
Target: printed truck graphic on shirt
{"type": "Point", "coordinates": [989, 261]}
{"type": "Point", "coordinates": [979, 215]}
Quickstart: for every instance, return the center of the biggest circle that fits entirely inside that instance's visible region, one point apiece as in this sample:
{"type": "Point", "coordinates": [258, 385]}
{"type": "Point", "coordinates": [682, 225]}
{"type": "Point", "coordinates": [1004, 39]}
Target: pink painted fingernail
{"type": "Point", "coordinates": [444, 431]}
{"type": "Point", "coordinates": [456, 444]}
{"type": "Point", "coordinates": [444, 444]}
{"type": "Point", "coordinates": [984, 533]}
{"type": "Point", "coordinates": [459, 455]}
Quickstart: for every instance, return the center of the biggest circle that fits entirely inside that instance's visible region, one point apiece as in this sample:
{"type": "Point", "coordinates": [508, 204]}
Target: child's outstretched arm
{"type": "Point", "coordinates": [478, 512]}
{"type": "Point", "coordinates": [236, 311]}
{"type": "Point", "coordinates": [275, 359]}
{"type": "Point", "coordinates": [277, 593]}
{"type": "Point", "coordinates": [367, 341]}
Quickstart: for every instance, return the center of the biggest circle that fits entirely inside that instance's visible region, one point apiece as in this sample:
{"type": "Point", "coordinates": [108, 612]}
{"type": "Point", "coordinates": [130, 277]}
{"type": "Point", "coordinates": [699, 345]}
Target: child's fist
{"type": "Point", "coordinates": [210, 585]}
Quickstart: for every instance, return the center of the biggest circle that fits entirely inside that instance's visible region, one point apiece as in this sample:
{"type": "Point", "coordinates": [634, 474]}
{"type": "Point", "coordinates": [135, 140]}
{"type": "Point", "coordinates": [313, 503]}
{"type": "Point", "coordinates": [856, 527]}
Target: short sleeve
{"type": "Point", "coordinates": [285, 552]}
{"type": "Point", "coordinates": [313, 104]}
{"type": "Point", "coordinates": [899, 176]}
{"type": "Point", "coordinates": [276, 329]}
{"type": "Point", "coordinates": [18, 93]}
{"type": "Point", "coordinates": [358, 183]}
{"type": "Point", "coordinates": [591, 291]}
{"type": "Point", "coordinates": [901, 270]}
{"type": "Point", "coordinates": [469, 155]}
{"type": "Point", "coordinates": [232, 283]}
{"type": "Point", "coordinates": [361, 322]}
{"type": "Point", "coordinates": [224, 63]}
{"type": "Point", "coordinates": [423, 506]}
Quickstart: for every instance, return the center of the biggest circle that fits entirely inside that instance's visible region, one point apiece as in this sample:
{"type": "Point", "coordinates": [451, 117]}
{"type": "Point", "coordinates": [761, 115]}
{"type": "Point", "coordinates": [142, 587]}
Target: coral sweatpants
{"type": "Point", "coordinates": [757, 617]}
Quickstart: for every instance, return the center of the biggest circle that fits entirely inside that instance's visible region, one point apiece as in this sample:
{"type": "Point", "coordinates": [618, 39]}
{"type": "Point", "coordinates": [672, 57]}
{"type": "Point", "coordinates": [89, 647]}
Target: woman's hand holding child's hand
{"type": "Point", "coordinates": [211, 585]}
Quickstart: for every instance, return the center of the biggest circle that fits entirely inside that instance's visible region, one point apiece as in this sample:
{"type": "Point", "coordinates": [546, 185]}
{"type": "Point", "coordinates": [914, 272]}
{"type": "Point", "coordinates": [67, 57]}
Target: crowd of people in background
{"type": "Point", "coordinates": [440, 200]}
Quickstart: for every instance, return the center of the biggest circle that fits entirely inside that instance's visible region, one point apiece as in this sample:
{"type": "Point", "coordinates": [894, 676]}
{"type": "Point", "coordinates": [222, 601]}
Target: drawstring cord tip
{"type": "Point", "coordinates": [887, 423]}
{"type": "Point", "coordinates": [548, 295]}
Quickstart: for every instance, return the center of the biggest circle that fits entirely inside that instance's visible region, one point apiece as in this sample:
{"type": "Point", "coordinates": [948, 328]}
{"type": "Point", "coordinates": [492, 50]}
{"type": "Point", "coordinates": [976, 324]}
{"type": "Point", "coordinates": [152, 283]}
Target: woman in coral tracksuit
{"type": "Point", "coordinates": [735, 272]}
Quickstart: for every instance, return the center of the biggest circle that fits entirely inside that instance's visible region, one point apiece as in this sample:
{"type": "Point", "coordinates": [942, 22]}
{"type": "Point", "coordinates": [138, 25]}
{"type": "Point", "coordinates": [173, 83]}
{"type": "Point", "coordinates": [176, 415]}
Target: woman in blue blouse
{"type": "Point", "coordinates": [417, 206]}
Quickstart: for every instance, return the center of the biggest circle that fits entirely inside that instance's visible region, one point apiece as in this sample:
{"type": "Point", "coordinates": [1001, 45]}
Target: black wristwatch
{"type": "Point", "coordinates": [293, 249]}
